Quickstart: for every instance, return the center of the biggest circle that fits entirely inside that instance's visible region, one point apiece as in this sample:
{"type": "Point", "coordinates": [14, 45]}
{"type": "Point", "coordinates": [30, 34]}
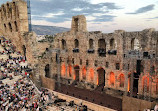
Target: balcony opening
{"type": "Point", "coordinates": [102, 48]}
{"type": "Point", "coordinates": [112, 44]}
{"type": "Point", "coordinates": [63, 44]}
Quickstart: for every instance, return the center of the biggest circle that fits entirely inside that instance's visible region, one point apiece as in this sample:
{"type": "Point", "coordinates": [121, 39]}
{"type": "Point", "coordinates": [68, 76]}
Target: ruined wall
{"type": "Point", "coordinates": [95, 57]}
{"type": "Point", "coordinates": [14, 21]}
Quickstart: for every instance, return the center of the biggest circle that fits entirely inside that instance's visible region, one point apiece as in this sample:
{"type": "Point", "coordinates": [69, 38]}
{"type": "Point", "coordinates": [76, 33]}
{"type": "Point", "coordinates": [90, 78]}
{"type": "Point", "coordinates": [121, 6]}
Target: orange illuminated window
{"type": "Point", "coordinates": [146, 84]}
{"type": "Point", "coordinates": [112, 78]}
{"type": "Point", "coordinates": [63, 70]}
{"type": "Point", "coordinates": [69, 71]}
{"type": "Point", "coordinates": [91, 73]}
{"type": "Point", "coordinates": [121, 80]}
{"type": "Point", "coordinates": [84, 73]}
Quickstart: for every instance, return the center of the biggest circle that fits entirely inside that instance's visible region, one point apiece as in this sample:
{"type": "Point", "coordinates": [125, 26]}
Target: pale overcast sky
{"type": "Point", "coordinates": [102, 15]}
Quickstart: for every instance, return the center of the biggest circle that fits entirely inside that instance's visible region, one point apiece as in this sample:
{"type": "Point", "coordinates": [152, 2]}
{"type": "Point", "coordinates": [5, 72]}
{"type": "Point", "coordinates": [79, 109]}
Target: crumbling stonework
{"type": "Point", "coordinates": [106, 59]}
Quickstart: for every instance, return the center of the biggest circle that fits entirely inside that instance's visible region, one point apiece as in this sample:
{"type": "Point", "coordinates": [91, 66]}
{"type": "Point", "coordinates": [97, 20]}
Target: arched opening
{"type": "Point", "coordinates": [47, 71]}
{"type": "Point", "coordinates": [63, 44]}
{"type": "Point", "coordinates": [157, 48]}
{"type": "Point", "coordinates": [16, 26]}
{"type": "Point", "coordinates": [129, 81]}
{"type": "Point", "coordinates": [102, 48]}
{"type": "Point", "coordinates": [77, 72]}
{"type": "Point", "coordinates": [14, 9]}
{"type": "Point", "coordinates": [84, 73]}
{"type": "Point", "coordinates": [146, 84]}
{"type": "Point", "coordinates": [10, 27]}
{"type": "Point", "coordinates": [101, 44]}
{"type": "Point", "coordinates": [4, 10]}
{"type": "Point", "coordinates": [91, 74]}
{"type": "Point", "coordinates": [121, 80]}
{"type": "Point", "coordinates": [91, 44]}
{"type": "Point", "coordinates": [112, 44]}
{"type": "Point", "coordinates": [5, 28]}
{"type": "Point", "coordinates": [112, 78]}
{"type": "Point", "coordinates": [69, 71]}
{"type": "Point", "coordinates": [24, 51]}
{"type": "Point", "coordinates": [76, 24]}
{"type": "Point", "coordinates": [63, 69]}
{"type": "Point", "coordinates": [8, 10]}
{"type": "Point", "coordinates": [76, 43]}
{"type": "Point", "coordinates": [135, 44]}
{"type": "Point", "coordinates": [101, 76]}
{"type": "Point", "coordinates": [157, 86]}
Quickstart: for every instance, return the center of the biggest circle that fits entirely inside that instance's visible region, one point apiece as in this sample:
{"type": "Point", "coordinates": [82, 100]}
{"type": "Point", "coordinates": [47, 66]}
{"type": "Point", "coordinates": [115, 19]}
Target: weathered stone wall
{"type": "Point", "coordinates": [87, 58]}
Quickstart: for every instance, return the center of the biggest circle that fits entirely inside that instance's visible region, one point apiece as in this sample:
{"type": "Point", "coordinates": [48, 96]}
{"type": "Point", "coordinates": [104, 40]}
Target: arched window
{"type": "Point", "coordinates": [63, 69]}
{"type": "Point", "coordinates": [63, 44]}
{"type": "Point", "coordinates": [121, 80]}
{"type": "Point", "coordinates": [84, 73]}
{"type": "Point", "coordinates": [69, 71]}
{"type": "Point", "coordinates": [4, 10]}
{"type": "Point", "coordinates": [8, 10]}
{"type": "Point", "coordinates": [16, 26]}
{"type": "Point", "coordinates": [10, 27]}
{"type": "Point", "coordinates": [135, 44]}
{"type": "Point", "coordinates": [76, 43]}
{"type": "Point", "coordinates": [91, 74]}
{"type": "Point", "coordinates": [145, 84]}
{"type": "Point", "coordinates": [101, 44]}
{"type": "Point", "coordinates": [47, 71]}
{"type": "Point", "coordinates": [91, 44]}
{"type": "Point", "coordinates": [112, 44]}
{"type": "Point", "coordinates": [5, 28]}
{"type": "Point", "coordinates": [112, 78]}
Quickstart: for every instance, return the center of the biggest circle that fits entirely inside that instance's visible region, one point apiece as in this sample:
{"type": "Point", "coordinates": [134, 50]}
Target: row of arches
{"type": "Point", "coordinates": [8, 10]}
{"type": "Point", "coordinates": [11, 26]}
{"type": "Point", "coordinates": [101, 44]}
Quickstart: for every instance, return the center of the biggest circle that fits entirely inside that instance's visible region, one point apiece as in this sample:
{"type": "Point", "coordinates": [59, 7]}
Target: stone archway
{"type": "Point", "coordinates": [101, 76]}
{"type": "Point", "coordinates": [76, 73]}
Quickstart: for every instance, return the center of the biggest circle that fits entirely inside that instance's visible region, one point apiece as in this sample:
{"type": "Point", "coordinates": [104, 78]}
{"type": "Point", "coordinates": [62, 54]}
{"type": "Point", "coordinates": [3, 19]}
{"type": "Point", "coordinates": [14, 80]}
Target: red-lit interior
{"type": "Point", "coordinates": [69, 71]}
{"type": "Point", "coordinates": [91, 73]}
{"type": "Point", "coordinates": [129, 77]}
{"type": "Point", "coordinates": [121, 79]}
{"type": "Point", "coordinates": [146, 83]}
{"type": "Point", "coordinates": [84, 73]}
{"type": "Point", "coordinates": [63, 70]}
{"type": "Point", "coordinates": [112, 78]}
{"type": "Point", "coordinates": [157, 86]}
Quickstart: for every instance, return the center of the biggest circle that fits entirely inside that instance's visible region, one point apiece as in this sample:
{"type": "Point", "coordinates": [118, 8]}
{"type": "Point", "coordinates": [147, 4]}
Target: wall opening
{"type": "Point", "coordinates": [10, 27]}
{"type": "Point", "coordinates": [91, 74]}
{"type": "Point", "coordinates": [70, 71]}
{"type": "Point", "coordinates": [24, 51]}
{"type": "Point", "coordinates": [77, 72]}
{"type": "Point", "coordinates": [47, 71]}
{"type": "Point", "coordinates": [5, 28]}
{"type": "Point", "coordinates": [101, 76]}
{"type": "Point", "coordinates": [101, 44]}
{"type": "Point", "coordinates": [63, 44]}
{"type": "Point", "coordinates": [129, 81]}
{"type": "Point", "coordinates": [63, 70]}
{"type": "Point", "coordinates": [112, 44]}
{"type": "Point", "coordinates": [84, 73]}
{"type": "Point", "coordinates": [135, 44]}
{"type": "Point", "coordinates": [121, 80]}
{"type": "Point", "coordinates": [112, 78]}
{"type": "Point", "coordinates": [91, 44]}
{"type": "Point", "coordinates": [146, 84]}
{"type": "Point", "coordinates": [16, 26]}
{"type": "Point", "coordinates": [76, 43]}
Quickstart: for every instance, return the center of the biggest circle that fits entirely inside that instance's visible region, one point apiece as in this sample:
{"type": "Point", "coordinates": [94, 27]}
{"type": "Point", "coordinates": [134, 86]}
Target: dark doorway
{"type": "Point", "coordinates": [24, 51]}
{"type": "Point", "coordinates": [136, 77]}
{"type": "Point", "coordinates": [101, 76]}
{"type": "Point", "coordinates": [47, 71]}
{"type": "Point", "coordinates": [77, 72]}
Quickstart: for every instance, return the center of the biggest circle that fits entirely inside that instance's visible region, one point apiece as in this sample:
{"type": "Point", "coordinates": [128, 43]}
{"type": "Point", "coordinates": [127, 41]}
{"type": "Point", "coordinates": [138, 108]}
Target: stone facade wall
{"type": "Point", "coordinates": [118, 54]}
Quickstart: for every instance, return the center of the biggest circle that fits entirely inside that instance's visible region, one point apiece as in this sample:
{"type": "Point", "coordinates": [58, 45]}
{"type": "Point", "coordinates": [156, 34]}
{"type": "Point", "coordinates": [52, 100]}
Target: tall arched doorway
{"type": "Point", "coordinates": [101, 76]}
{"type": "Point", "coordinates": [76, 73]}
{"type": "Point", "coordinates": [47, 71]}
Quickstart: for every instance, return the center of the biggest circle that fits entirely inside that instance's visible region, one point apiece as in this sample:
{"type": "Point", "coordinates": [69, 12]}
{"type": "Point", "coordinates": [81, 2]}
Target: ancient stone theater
{"type": "Point", "coordinates": [92, 66]}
